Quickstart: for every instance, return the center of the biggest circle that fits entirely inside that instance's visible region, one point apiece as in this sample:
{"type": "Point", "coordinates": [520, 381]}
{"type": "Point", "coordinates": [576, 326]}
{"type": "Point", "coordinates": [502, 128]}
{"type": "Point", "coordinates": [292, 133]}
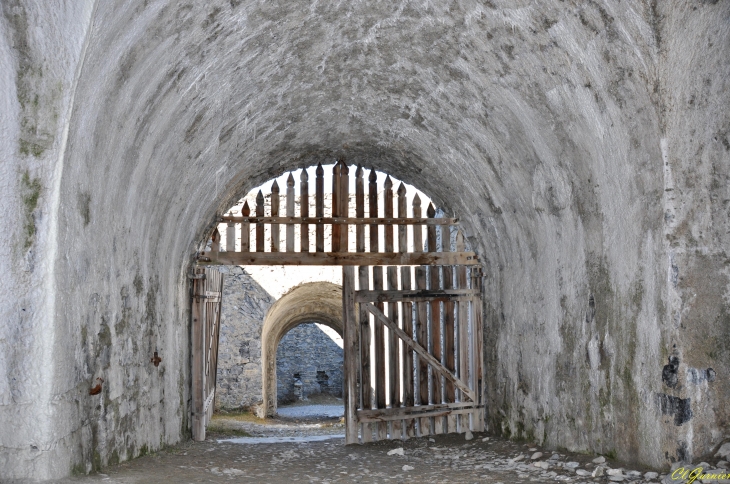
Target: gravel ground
{"type": "Point", "coordinates": [308, 447]}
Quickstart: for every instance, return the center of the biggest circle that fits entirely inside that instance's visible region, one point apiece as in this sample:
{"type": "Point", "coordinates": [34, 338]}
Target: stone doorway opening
{"type": "Point", "coordinates": [429, 310]}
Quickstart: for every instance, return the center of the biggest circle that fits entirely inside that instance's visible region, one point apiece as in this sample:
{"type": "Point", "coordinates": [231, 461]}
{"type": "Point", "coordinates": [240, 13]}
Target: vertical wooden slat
{"type": "Point", "coordinates": [379, 336]}
{"type": "Point", "coordinates": [417, 235]}
{"type": "Point", "coordinates": [421, 331]}
{"type": "Point", "coordinates": [478, 351]}
{"type": "Point", "coordinates": [350, 340]}
{"type": "Point", "coordinates": [402, 213]}
{"type": "Point", "coordinates": [463, 329]}
{"type": "Point", "coordinates": [388, 209]}
{"type": "Point", "coordinates": [319, 207]}
{"type": "Point", "coordinates": [290, 212]}
{"type": "Point", "coordinates": [366, 392]}
{"type": "Point", "coordinates": [245, 229]}
{"type": "Point", "coordinates": [448, 276]}
{"type": "Point", "coordinates": [373, 202]}
{"type": "Point", "coordinates": [259, 225]}
{"type": "Point", "coordinates": [344, 205]}
{"type": "Point", "coordinates": [434, 283]}
{"type": "Point", "coordinates": [230, 237]}
{"type": "Point", "coordinates": [408, 384]}
{"type": "Point", "coordinates": [359, 209]}
{"type": "Point", "coordinates": [198, 349]}
{"type": "Point", "coordinates": [304, 210]}
{"type": "Point", "coordinates": [393, 352]}
{"type": "Point", "coordinates": [275, 239]}
{"type": "Point", "coordinates": [336, 172]}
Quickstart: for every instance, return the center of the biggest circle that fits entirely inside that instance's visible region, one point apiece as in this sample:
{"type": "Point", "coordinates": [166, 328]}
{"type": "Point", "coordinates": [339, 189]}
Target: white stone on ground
{"type": "Point", "coordinates": [582, 472]}
{"type": "Point", "coordinates": [536, 455]}
{"type": "Point", "coordinates": [599, 460]}
{"type": "Point", "coordinates": [724, 451]}
{"type": "Point", "coordinates": [468, 435]}
{"type": "Point", "coordinates": [614, 472]}
{"type": "Point", "coordinates": [572, 465]}
{"type": "Point", "coordinates": [407, 468]}
{"type": "Point", "coordinates": [398, 451]}
{"type": "Point", "coordinates": [651, 475]}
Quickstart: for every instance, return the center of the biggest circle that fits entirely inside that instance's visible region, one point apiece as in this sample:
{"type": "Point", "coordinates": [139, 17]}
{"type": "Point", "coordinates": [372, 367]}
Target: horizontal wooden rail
{"type": "Point", "coordinates": [341, 220]}
{"type": "Point", "coordinates": [367, 416]}
{"type": "Point", "coordinates": [338, 258]}
{"type": "Point", "coordinates": [415, 296]}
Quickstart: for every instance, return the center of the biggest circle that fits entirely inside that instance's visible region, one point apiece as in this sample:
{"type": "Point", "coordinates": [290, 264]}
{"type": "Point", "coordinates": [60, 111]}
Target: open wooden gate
{"type": "Point", "coordinates": [414, 368]}
{"type": "Point", "coordinates": [413, 364]}
{"type": "Point", "coordinates": [207, 287]}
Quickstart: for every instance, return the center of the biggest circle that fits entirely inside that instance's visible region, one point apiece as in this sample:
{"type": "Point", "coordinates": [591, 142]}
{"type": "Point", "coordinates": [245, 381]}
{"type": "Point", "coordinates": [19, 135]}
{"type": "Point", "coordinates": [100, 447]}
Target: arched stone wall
{"type": "Point", "coordinates": [319, 302]}
{"type": "Point", "coordinates": [584, 145]}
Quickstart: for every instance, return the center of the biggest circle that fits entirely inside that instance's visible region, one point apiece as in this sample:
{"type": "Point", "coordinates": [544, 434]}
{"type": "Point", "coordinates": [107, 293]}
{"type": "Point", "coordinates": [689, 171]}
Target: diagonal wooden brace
{"type": "Point", "coordinates": [436, 364]}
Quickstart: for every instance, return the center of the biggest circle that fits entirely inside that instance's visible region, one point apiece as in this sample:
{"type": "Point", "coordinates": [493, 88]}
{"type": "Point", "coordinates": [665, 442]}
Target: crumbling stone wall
{"type": "Point", "coordinates": [311, 354]}
{"type": "Point", "coordinates": [245, 303]}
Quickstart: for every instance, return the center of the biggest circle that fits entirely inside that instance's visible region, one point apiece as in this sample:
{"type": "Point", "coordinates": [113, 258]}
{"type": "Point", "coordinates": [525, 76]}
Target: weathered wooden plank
{"type": "Point", "coordinates": [463, 329]}
{"type": "Point", "coordinates": [426, 415]}
{"type": "Point", "coordinates": [366, 394]}
{"type": "Point", "coordinates": [344, 211]}
{"type": "Point", "coordinates": [422, 352]}
{"type": "Point", "coordinates": [410, 411]}
{"type": "Point", "coordinates": [336, 228]}
{"type": "Point", "coordinates": [426, 295]}
{"type": "Point", "coordinates": [402, 214]}
{"type": "Point", "coordinates": [359, 209]}
{"type": "Point", "coordinates": [449, 390]}
{"type": "Point", "coordinates": [408, 388]}
{"type": "Point", "coordinates": [343, 220]}
{"type": "Point", "coordinates": [290, 212]}
{"type": "Point", "coordinates": [319, 208]}
{"type": "Point", "coordinates": [198, 350]}
{"type": "Point", "coordinates": [351, 349]}
{"type": "Point", "coordinates": [394, 353]}
{"type": "Point", "coordinates": [231, 237]}
{"type": "Point", "coordinates": [373, 213]}
{"type": "Point", "coordinates": [304, 210]}
{"type": "Point", "coordinates": [388, 212]}
{"type": "Point", "coordinates": [417, 235]}
{"type": "Point", "coordinates": [275, 238]}
{"type": "Point", "coordinates": [337, 258]}
{"type": "Point", "coordinates": [245, 229]}
{"type": "Point", "coordinates": [259, 225]}
{"type": "Point", "coordinates": [421, 331]}
{"type": "Point", "coordinates": [435, 322]}
{"type": "Point", "coordinates": [380, 352]}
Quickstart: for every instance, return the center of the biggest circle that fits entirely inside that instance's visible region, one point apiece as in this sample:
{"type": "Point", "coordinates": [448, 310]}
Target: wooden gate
{"type": "Point", "coordinates": [207, 287]}
{"type": "Point", "coordinates": [412, 353]}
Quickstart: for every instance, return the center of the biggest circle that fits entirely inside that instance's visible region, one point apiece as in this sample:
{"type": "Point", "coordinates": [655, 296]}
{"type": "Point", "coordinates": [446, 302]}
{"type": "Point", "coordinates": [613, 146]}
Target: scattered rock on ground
{"type": "Point", "coordinates": [398, 451]}
{"type": "Point", "coordinates": [599, 460]}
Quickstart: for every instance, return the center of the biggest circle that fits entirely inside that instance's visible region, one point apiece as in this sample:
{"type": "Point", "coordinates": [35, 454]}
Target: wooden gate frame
{"type": "Point", "coordinates": [358, 304]}
{"type": "Point", "coordinates": [206, 309]}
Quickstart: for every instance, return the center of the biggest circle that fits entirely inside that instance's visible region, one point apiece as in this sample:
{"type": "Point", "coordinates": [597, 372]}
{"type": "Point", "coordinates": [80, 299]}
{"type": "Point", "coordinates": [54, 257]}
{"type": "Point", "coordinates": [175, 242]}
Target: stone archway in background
{"type": "Point", "coordinates": [319, 302]}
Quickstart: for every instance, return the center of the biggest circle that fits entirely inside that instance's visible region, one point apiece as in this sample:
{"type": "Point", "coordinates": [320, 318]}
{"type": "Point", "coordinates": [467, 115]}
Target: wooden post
{"type": "Point", "coordinates": [479, 348]}
{"type": "Point", "coordinates": [259, 225]}
{"type": "Point", "coordinates": [304, 209]}
{"type": "Point", "coordinates": [402, 213]}
{"type": "Point", "coordinates": [408, 385]}
{"type": "Point", "coordinates": [417, 234]}
{"type": "Point", "coordinates": [290, 212]}
{"type": "Point", "coordinates": [336, 172]}
{"type": "Point", "coordinates": [373, 201]}
{"type": "Point", "coordinates": [351, 329]}
{"type": "Point", "coordinates": [245, 229]}
{"type": "Point", "coordinates": [393, 353]}
{"type": "Point", "coordinates": [231, 237]}
{"type": "Point", "coordinates": [421, 332]}
{"type": "Point", "coordinates": [359, 209]}
{"type": "Point", "coordinates": [448, 274]}
{"type": "Point", "coordinates": [366, 392]}
{"type": "Point", "coordinates": [319, 207]}
{"type": "Point", "coordinates": [198, 349]}
{"type": "Point", "coordinates": [344, 195]}
{"type": "Point", "coordinates": [275, 239]}
{"type": "Point", "coordinates": [463, 329]}
{"type": "Point", "coordinates": [435, 333]}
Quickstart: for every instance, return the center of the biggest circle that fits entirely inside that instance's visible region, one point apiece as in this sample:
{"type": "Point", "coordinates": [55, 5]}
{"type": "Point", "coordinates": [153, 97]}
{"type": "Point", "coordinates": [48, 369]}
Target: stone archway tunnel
{"type": "Point", "coordinates": [585, 146]}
